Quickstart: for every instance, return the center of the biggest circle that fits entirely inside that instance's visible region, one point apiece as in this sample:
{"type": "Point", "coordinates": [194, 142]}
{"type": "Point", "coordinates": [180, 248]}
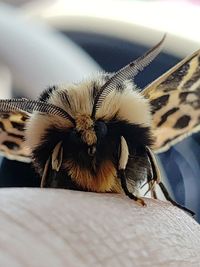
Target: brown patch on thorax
{"type": "Point", "coordinates": [104, 181]}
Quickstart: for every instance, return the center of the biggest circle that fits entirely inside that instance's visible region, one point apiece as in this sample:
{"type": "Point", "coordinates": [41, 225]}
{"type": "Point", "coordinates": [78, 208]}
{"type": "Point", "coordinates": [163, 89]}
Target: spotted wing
{"type": "Point", "coordinates": [12, 136]}
{"type": "Point", "coordinates": [175, 101]}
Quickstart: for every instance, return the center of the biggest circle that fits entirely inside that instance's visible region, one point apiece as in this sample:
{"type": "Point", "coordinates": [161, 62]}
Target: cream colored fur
{"type": "Point", "coordinates": [129, 105]}
{"type": "Point", "coordinates": [38, 124]}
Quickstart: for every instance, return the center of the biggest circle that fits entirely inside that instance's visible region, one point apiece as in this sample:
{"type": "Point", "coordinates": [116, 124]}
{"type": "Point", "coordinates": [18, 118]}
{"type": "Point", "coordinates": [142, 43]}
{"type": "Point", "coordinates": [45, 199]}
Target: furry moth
{"type": "Point", "coordinates": [101, 135]}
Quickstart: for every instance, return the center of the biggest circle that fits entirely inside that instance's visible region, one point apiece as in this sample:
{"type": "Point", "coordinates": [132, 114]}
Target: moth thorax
{"type": "Point", "coordinates": [85, 126]}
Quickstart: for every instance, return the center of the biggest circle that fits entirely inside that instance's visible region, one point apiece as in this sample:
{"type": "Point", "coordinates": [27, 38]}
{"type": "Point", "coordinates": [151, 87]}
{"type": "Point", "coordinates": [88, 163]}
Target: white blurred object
{"type": "Point", "coordinates": [5, 82]}
{"type": "Point", "coordinates": [37, 56]}
{"type": "Point", "coordinates": [16, 2]}
{"type": "Point", "coordinates": [139, 21]}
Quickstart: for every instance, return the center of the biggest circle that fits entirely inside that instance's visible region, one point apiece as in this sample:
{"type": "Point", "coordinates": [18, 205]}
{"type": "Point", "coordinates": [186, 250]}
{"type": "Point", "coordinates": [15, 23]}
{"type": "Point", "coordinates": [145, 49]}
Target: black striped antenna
{"type": "Point", "coordinates": [126, 73]}
{"type": "Point", "coordinates": [29, 106]}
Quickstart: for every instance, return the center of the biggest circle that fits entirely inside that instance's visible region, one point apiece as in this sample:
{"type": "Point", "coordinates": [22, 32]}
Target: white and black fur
{"type": "Point", "coordinates": [120, 115]}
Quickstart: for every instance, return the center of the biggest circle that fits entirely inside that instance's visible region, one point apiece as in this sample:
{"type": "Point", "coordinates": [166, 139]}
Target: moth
{"type": "Point", "coordinates": [102, 134]}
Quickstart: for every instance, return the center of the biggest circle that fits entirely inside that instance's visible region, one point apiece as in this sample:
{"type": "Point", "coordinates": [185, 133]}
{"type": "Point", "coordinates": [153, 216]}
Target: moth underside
{"type": "Point", "coordinates": [97, 136]}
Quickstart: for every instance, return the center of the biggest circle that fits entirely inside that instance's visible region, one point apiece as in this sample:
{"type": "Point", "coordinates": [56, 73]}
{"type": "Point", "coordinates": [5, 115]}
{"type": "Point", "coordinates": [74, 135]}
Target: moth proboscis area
{"type": "Point", "coordinates": [101, 135]}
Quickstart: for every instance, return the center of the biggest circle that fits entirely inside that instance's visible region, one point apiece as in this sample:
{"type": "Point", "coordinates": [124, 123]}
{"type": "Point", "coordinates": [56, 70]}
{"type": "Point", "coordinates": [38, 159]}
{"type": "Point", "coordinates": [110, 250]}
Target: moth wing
{"type": "Point", "coordinates": [175, 102]}
{"type": "Point", "coordinates": [12, 145]}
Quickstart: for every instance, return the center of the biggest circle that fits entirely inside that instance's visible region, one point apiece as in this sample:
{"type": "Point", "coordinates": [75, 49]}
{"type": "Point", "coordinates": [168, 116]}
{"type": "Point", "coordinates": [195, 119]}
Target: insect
{"type": "Point", "coordinates": [101, 135]}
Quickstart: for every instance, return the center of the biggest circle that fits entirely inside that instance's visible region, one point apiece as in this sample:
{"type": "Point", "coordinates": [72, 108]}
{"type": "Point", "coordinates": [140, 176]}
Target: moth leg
{"type": "Point", "coordinates": [167, 196]}
{"type": "Point", "coordinates": [151, 184]}
{"type": "Point", "coordinates": [45, 173]}
{"type": "Point", "coordinates": [123, 159]}
{"type": "Point", "coordinates": [152, 177]}
{"type": "Point", "coordinates": [122, 176]}
{"type": "Point", "coordinates": [52, 167]}
{"type": "Point", "coordinates": [157, 178]}
{"type": "Point", "coordinates": [153, 192]}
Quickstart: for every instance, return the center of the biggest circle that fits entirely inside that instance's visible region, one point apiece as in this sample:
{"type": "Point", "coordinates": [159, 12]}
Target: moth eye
{"type": "Point", "coordinates": [75, 137]}
{"type": "Point", "coordinates": [101, 129]}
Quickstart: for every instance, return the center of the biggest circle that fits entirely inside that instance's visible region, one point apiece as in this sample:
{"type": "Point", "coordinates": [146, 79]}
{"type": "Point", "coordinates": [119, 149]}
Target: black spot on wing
{"type": "Point", "coordinates": [192, 80]}
{"type": "Point", "coordinates": [2, 128]}
{"type": "Point", "coordinates": [172, 82]}
{"type": "Point", "coordinates": [169, 140]}
{"type": "Point", "coordinates": [11, 145]}
{"type": "Point", "coordinates": [182, 122]}
{"type": "Point", "coordinates": [194, 101]}
{"type": "Point", "coordinates": [18, 126]}
{"type": "Point", "coordinates": [23, 118]}
{"type": "Point", "coordinates": [183, 96]}
{"type": "Point", "coordinates": [4, 116]}
{"type": "Point", "coordinates": [18, 136]}
{"type": "Point", "coordinates": [171, 87]}
{"type": "Point", "coordinates": [159, 102]}
{"type": "Point", "coordinates": [165, 116]}
{"type": "Point", "coordinates": [174, 79]}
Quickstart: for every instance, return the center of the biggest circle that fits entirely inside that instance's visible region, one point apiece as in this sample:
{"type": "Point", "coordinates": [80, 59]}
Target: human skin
{"type": "Point", "coordinates": [59, 228]}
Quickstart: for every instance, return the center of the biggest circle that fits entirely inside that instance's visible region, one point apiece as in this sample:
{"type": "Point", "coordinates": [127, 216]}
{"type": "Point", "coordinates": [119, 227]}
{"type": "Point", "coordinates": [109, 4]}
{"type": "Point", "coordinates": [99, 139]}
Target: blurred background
{"type": "Point", "coordinates": [49, 42]}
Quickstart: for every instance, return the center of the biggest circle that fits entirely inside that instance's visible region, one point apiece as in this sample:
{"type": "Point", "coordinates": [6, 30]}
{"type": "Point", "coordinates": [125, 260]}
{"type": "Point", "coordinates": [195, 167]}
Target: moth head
{"type": "Point", "coordinates": [90, 131]}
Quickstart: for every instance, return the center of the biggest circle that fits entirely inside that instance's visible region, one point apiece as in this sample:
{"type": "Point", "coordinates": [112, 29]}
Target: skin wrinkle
{"type": "Point", "coordinates": [90, 229]}
{"type": "Point", "coordinates": [15, 257]}
{"type": "Point", "coordinates": [28, 228]}
{"type": "Point", "coordinates": [32, 232]}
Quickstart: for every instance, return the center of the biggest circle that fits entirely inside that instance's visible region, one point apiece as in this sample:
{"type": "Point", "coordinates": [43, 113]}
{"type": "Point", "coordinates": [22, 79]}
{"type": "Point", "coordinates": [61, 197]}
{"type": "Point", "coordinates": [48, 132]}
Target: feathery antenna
{"type": "Point", "coordinates": [127, 72]}
{"type": "Point", "coordinates": [29, 106]}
